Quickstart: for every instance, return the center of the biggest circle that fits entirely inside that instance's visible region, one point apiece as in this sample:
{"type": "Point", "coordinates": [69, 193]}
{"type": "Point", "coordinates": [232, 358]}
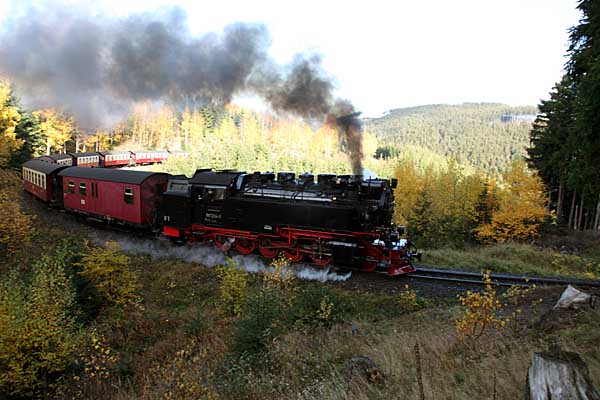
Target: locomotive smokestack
{"type": "Point", "coordinates": [351, 126]}
{"type": "Point", "coordinates": [308, 92]}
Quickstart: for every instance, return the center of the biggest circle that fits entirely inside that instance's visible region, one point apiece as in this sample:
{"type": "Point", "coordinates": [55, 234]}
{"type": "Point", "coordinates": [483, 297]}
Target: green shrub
{"type": "Point", "coordinates": [108, 270]}
{"type": "Point", "coordinates": [263, 317]}
{"type": "Point", "coordinates": [317, 305]}
{"type": "Point", "coordinates": [37, 329]}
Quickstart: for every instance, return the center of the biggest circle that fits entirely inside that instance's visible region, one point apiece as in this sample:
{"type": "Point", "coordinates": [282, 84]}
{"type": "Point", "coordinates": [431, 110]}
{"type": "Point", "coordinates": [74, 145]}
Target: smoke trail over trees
{"type": "Point", "coordinates": [96, 68]}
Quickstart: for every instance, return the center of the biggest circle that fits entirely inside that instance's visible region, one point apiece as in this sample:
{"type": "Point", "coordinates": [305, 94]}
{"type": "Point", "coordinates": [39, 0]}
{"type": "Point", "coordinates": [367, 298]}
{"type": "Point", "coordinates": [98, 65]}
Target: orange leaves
{"type": "Point", "coordinates": [438, 205]}
{"type": "Point", "coordinates": [521, 208]}
{"type": "Point", "coordinates": [452, 205]}
{"type": "Point", "coordinates": [481, 311]}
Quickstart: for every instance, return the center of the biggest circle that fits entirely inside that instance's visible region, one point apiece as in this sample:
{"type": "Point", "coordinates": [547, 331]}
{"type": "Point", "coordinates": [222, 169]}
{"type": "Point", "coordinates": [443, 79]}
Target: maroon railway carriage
{"type": "Point", "coordinates": [90, 159]}
{"type": "Point", "coordinates": [41, 179]}
{"type": "Point", "coordinates": [115, 158]}
{"type": "Point", "coordinates": [150, 156]}
{"type": "Point", "coordinates": [129, 197]}
{"type": "Point", "coordinates": [64, 160]}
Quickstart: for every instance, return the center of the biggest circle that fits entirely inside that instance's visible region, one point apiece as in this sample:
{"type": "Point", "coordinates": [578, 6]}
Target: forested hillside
{"type": "Point", "coordinates": [487, 136]}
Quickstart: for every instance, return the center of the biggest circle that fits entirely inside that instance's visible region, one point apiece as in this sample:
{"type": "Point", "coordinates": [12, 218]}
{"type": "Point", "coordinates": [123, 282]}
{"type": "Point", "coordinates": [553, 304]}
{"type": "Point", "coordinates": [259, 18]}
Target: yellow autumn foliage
{"type": "Point", "coordinates": [281, 276]}
{"type": "Point", "coordinates": [521, 207]}
{"type": "Point", "coordinates": [9, 119]}
{"type": "Point", "coordinates": [108, 270]}
{"type": "Point", "coordinates": [15, 225]}
{"type": "Point", "coordinates": [56, 128]}
{"type": "Point", "coordinates": [481, 311]}
{"type": "Point", "coordinates": [233, 288]}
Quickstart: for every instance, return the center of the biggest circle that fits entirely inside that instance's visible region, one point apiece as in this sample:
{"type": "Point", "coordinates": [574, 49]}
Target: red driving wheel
{"type": "Point", "coordinates": [266, 250]}
{"type": "Point", "coordinates": [245, 246]}
{"type": "Point", "coordinates": [293, 254]}
{"type": "Point", "coordinates": [369, 266]}
{"type": "Point", "coordinates": [320, 260]}
{"type": "Point", "coordinates": [219, 241]}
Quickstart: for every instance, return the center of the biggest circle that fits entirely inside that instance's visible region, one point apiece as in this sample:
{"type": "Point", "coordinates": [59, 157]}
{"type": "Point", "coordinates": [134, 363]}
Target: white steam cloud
{"type": "Point", "coordinates": [211, 257]}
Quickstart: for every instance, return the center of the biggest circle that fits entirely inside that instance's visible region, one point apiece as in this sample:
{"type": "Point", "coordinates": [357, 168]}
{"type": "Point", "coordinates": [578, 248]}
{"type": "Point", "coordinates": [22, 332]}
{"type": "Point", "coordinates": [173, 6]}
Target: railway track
{"type": "Point", "coordinates": [426, 272]}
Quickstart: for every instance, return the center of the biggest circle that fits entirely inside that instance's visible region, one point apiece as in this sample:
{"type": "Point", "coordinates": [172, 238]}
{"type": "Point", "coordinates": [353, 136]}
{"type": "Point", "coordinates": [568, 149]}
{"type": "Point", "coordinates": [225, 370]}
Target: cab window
{"type": "Point", "coordinates": [71, 187]}
{"type": "Point", "coordinates": [83, 189]}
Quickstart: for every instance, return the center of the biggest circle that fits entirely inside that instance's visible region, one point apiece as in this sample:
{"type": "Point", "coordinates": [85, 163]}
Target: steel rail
{"type": "Point", "coordinates": [470, 277]}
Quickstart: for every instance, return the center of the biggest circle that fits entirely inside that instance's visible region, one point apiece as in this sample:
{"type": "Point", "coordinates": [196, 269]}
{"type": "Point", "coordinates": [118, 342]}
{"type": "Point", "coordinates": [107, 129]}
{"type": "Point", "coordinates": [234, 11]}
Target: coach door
{"type": "Point", "coordinates": [57, 189]}
{"type": "Point", "coordinates": [93, 198]}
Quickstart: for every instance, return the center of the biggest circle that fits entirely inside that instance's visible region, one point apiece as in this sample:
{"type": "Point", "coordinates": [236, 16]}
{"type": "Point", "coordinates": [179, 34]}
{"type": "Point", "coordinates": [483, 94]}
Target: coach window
{"type": "Point", "coordinates": [71, 187]}
{"type": "Point", "coordinates": [128, 195]}
{"type": "Point", "coordinates": [83, 189]}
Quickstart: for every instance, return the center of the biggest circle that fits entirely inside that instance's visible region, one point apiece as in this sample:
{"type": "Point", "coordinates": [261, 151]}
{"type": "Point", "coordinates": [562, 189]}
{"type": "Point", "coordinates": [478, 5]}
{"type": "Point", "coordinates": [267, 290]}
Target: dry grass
{"type": "Point", "coordinates": [518, 258]}
{"type": "Point", "coordinates": [451, 369]}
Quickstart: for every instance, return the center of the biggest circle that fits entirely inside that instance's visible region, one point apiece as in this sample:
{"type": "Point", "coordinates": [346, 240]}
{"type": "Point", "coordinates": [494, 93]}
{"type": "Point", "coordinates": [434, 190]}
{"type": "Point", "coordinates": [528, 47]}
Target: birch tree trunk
{"type": "Point", "coordinates": [572, 208]}
{"type": "Point", "coordinates": [580, 213]}
{"type": "Point", "coordinates": [597, 214]}
{"type": "Point", "coordinates": [559, 203]}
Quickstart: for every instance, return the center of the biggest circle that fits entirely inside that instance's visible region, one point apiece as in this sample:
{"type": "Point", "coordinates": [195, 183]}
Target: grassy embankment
{"type": "Point", "coordinates": [570, 256]}
{"type": "Point", "coordinates": [289, 340]}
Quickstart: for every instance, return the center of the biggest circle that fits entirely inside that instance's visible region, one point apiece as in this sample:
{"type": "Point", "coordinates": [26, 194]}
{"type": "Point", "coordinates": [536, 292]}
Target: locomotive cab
{"type": "Point", "coordinates": [209, 190]}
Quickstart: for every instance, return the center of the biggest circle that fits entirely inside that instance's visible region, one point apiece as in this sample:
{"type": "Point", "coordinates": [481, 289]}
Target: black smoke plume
{"type": "Point", "coordinates": [96, 68]}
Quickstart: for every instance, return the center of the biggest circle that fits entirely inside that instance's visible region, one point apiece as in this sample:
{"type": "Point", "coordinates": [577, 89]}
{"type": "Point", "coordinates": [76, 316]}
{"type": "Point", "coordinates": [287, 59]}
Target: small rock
{"type": "Point", "coordinates": [574, 299]}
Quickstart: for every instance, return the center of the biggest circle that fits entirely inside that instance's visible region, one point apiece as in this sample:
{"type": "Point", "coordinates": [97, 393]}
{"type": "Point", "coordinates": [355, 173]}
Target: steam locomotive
{"type": "Point", "coordinates": [343, 220]}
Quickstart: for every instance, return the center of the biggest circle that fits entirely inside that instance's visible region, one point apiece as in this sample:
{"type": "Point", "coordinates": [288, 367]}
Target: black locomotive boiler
{"type": "Point", "coordinates": [343, 219]}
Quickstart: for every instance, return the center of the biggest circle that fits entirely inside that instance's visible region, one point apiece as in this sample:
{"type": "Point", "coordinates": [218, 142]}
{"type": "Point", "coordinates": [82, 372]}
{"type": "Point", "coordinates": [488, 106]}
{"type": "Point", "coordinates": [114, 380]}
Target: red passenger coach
{"type": "Point", "coordinates": [86, 159]}
{"type": "Point", "coordinates": [41, 180]}
{"type": "Point", "coordinates": [129, 197]}
{"type": "Point", "coordinates": [150, 156]}
{"type": "Point", "coordinates": [115, 158]}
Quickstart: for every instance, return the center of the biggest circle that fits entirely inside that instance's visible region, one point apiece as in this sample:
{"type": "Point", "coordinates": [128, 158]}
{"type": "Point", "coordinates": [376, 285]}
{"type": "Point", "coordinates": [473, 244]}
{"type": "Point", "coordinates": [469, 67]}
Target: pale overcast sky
{"type": "Point", "coordinates": [389, 54]}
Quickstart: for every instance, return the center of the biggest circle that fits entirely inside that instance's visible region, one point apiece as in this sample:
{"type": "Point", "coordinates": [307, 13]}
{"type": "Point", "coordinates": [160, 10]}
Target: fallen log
{"type": "Point", "coordinates": [559, 375]}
